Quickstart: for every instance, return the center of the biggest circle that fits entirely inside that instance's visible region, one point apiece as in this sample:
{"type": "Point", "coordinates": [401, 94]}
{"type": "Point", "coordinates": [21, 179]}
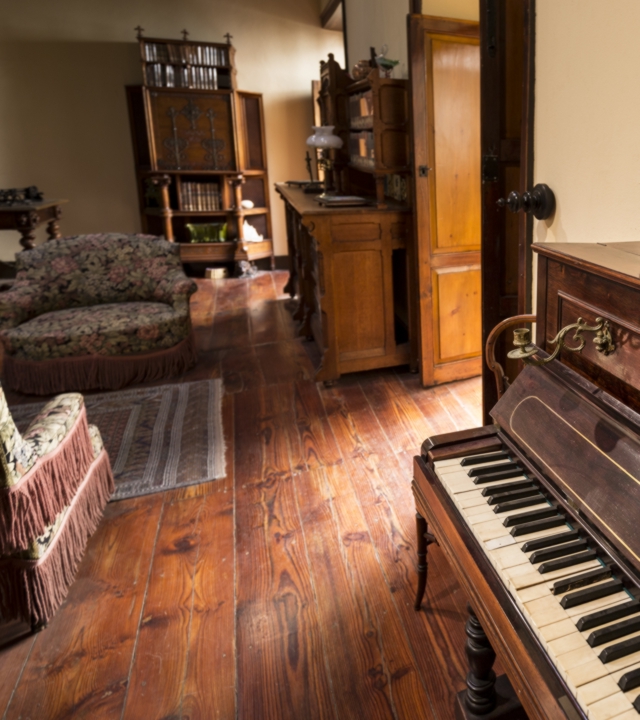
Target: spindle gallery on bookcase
{"type": "Point", "coordinates": [200, 154]}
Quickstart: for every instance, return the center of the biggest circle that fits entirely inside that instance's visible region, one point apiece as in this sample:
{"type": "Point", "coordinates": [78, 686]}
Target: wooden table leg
{"type": "Point", "coordinates": [53, 226]}
{"type": "Point", "coordinates": [486, 696]}
{"type": "Point", "coordinates": [424, 540]}
{"type": "Point", "coordinates": [27, 223]}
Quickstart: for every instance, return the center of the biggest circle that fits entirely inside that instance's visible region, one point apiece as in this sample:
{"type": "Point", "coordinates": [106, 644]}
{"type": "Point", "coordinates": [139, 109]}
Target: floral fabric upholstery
{"type": "Point", "coordinates": [44, 434]}
{"type": "Point", "coordinates": [115, 329]}
{"type": "Point", "coordinates": [16, 457]}
{"type": "Point", "coordinates": [108, 294]}
{"type": "Point", "coordinates": [96, 440]}
{"type": "Point", "coordinates": [53, 423]}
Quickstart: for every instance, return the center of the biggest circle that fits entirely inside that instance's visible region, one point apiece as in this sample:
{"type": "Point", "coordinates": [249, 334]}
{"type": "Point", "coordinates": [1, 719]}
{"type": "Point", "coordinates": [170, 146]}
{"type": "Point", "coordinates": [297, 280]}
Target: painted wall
{"type": "Point", "coordinates": [587, 118]}
{"type": "Point", "coordinates": [384, 22]}
{"type": "Point", "coordinates": [63, 114]}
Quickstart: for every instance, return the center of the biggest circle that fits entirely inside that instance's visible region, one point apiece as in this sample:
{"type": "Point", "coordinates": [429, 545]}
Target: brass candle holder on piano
{"type": "Point", "coordinates": [526, 351]}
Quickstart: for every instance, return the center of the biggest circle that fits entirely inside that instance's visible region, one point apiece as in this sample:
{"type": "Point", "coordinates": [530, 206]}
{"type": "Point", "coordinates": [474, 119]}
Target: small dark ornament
{"type": "Point", "coordinates": [21, 196]}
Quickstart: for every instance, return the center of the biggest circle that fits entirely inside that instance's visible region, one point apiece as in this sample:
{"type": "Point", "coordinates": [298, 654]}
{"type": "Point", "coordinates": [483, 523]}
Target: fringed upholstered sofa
{"type": "Point", "coordinates": [96, 312]}
{"type": "Point", "coordinates": [55, 481]}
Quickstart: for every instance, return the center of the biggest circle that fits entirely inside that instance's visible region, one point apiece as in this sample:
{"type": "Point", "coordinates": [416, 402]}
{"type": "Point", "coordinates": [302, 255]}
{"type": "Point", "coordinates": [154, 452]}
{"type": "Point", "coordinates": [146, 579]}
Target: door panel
{"type": "Point", "coordinates": [457, 295]}
{"type": "Point", "coordinates": [456, 126]}
{"type": "Point", "coordinates": [445, 84]}
{"type": "Point", "coordinates": [360, 311]}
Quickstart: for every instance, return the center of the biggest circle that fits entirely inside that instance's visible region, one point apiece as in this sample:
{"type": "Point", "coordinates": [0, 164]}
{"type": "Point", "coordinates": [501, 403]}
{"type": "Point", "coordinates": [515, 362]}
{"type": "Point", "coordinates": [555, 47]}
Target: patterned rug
{"type": "Point", "coordinates": [157, 438]}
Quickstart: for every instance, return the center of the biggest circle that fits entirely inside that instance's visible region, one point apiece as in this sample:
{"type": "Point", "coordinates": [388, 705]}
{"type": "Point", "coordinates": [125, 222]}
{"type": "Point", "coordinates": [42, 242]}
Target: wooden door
{"type": "Point", "coordinates": [445, 83]}
{"type": "Point", "coordinates": [506, 31]}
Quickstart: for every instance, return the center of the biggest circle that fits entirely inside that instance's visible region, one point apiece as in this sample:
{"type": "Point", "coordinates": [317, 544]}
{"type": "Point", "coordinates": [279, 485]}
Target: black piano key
{"type": "Point", "coordinates": [613, 632]}
{"type": "Point", "coordinates": [602, 617]}
{"type": "Point", "coordinates": [480, 459]}
{"type": "Point", "coordinates": [494, 477]}
{"type": "Point", "coordinates": [512, 495]}
{"type": "Point", "coordinates": [568, 561]}
{"type": "Point", "coordinates": [537, 525]}
{"type": "Point", "coordinates": [550, 540]}
{"type": "Point", "coordinates": [629, 681]}
{"type": "Point", "coordinates": [578, 581]}
{"type": "Point", "coordinates": [621, 649]}
{"type": "Point", "coordinates": [636, 704]}
{"type": "Point", "coordinates": [523, 518]}
{"type": "Point", "coordinates": [517, 504]}
{"type": "Point", "coordinates": [558, 551]}
{"type": "Point", "coordinates": [505, 487]}
{"type": "Point", "coordinates": [490, 469]}
{"type": "Point", "coordinates": [580, 597]}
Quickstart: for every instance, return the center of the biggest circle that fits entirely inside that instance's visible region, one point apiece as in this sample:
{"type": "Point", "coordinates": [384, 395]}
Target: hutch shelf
{"type": "Point", "coordinates": [200, 153]}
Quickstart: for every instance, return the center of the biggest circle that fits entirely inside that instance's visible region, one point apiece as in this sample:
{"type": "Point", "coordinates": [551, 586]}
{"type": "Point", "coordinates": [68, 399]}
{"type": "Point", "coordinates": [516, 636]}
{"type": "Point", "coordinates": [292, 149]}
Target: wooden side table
{"type": "Point", "coordinates": [25, 218]}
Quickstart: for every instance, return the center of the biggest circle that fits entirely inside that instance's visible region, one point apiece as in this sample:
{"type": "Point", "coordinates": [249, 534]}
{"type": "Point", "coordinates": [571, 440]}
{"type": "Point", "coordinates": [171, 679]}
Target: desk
{"type": "Point", "coordinates": [25, 218]}
{"type": "Point", "coordinates": [349, 270]}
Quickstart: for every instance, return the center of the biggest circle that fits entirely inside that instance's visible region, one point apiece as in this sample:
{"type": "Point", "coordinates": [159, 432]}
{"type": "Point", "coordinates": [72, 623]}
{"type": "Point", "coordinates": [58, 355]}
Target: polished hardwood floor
{"type": "Point", "coordinates": [282, 592]}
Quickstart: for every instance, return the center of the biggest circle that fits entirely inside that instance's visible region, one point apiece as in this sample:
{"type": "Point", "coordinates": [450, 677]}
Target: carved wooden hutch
{"type": "Point", "coordinates": [200, 150]}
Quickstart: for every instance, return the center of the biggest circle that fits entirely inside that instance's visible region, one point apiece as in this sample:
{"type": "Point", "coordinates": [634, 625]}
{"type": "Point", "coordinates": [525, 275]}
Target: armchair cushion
{"type": "Point", "coordinates": [114, 329]}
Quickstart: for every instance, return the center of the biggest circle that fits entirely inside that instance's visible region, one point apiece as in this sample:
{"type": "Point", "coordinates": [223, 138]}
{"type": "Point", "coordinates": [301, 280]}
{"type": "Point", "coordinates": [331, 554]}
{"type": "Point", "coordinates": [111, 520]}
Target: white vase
{"type": "Point", "coordinates": [324, 138]}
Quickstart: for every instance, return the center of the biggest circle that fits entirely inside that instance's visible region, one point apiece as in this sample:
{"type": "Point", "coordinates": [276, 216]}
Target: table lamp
{"type": "Point", "coordinates": [324, 140]}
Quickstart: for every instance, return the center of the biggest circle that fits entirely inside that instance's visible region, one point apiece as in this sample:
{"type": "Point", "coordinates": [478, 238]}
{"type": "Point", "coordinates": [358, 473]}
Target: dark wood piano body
{"type": "Point", "coordinates": [573, 425]}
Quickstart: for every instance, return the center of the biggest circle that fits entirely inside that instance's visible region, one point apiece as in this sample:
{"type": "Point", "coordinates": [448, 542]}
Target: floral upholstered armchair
{"type": "Point", "coordinates": [55, 481]}
{"type": "Point", "coordinates": [96, 312]}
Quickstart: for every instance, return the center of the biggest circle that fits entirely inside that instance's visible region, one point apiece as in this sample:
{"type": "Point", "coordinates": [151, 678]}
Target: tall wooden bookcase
{"type": "Point", "coordinates": [199, 148]}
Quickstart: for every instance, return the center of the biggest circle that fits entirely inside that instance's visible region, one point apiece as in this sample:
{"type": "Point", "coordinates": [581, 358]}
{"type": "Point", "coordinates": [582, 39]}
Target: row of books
{"type": "Point", "coordinates": [361, 110]}
{"type": "Point", "coordinates": [200, 78]}
{"type": "Point", "coordinates": [362, 144]}
{"type": "Point", "coordinates": [186, 54]}
{"type": "Point", "coordinates": [200, 196]}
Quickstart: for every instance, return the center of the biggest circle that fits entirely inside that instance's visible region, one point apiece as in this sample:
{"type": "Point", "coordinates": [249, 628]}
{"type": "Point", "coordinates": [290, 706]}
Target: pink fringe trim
{"type": "Point", "coordinates": [33, 590]}
{"type": "Point", "coordinates": [30, 506]}
{"type": "Point", "coordinates": [97, 372]}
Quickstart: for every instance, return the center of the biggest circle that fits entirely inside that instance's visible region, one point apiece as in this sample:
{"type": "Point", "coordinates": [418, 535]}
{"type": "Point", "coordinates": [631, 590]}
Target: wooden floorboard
{"type": "Point", "coordinates": [282, 591]}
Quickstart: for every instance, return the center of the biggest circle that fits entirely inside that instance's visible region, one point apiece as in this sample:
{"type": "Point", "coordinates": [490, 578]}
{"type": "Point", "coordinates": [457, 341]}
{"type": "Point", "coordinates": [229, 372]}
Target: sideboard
{"type": "Point", "coordinates": [349, 270]}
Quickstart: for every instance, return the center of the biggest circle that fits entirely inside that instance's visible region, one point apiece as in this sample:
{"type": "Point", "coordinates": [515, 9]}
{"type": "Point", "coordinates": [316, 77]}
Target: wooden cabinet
{"type": "Point", "coordinates": [200, 151]}
{"type": "Point", "coordinates": [379, 132]}
{"type": "Point", "coordinates": [348, 271]}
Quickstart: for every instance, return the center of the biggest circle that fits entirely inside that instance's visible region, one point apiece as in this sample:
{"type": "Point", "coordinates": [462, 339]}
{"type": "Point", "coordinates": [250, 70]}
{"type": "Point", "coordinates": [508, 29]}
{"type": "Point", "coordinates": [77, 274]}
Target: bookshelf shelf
{"type": "Point", "coordinates": [199, 150]}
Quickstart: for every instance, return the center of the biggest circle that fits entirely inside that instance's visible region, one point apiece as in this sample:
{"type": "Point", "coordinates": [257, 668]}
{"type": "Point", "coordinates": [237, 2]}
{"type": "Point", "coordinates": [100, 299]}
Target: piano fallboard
{"type": "Point", "coordinates": [587, 452]}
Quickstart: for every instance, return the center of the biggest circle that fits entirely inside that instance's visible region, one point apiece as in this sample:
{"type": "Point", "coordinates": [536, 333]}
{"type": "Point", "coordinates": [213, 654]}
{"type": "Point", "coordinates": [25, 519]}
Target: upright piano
{"type": "Point", "coordinates": [539, 513]}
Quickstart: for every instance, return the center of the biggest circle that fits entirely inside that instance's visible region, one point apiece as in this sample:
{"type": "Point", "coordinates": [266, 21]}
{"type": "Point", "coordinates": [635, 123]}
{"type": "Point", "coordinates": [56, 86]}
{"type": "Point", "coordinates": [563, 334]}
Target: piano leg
{"type": "Point", "coordinates": [424, 540]}
{"type": "Point", "coordinates": [485, 697]}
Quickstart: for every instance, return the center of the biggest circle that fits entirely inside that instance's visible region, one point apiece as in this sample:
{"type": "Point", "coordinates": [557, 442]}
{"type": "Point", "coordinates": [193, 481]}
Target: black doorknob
{"type": "Point", "coordinates": [540, 202]}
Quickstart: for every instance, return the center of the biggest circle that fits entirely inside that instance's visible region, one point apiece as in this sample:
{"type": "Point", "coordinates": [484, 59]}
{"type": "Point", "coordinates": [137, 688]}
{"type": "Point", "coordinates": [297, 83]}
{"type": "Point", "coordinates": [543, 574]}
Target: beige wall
{"type": "Point", "coordinates": [587, 118]}
{"type": "Point", "coordinates": [384, 22]}
{"type": "Point", "coordinates": [63, 115]}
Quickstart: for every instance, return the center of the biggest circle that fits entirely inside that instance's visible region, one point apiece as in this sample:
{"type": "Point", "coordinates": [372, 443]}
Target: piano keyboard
{"type": "Point", "coordinates": [586, 620]}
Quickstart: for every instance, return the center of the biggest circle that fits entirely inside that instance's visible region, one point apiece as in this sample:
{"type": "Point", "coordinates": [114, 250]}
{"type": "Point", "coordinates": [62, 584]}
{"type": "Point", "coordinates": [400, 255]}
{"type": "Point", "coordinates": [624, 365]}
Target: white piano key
{"type": "Point", "coordinates": [597, 690]}
{"type": "Point", "coordinates": [558, 629]}
{"type": "Point", "coordinates": [489, 530]}
{"type": "Point", "coordinates": [523, 576]}
{"type": "Point", "coordinates": [628, 715]}
{"type": "Point", "coordinates": [609, 707]}
{"type": "Point", "coordinates": [500, 542]}
{"type": "Point", "coordinates": [581, 610]}
{"type": "Point", "coordinates": [471, 499]}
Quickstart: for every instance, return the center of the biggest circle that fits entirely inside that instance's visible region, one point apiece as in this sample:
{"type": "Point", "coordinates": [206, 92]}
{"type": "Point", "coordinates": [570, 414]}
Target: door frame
{"type": "Point", "coordinates": [495, 151]}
